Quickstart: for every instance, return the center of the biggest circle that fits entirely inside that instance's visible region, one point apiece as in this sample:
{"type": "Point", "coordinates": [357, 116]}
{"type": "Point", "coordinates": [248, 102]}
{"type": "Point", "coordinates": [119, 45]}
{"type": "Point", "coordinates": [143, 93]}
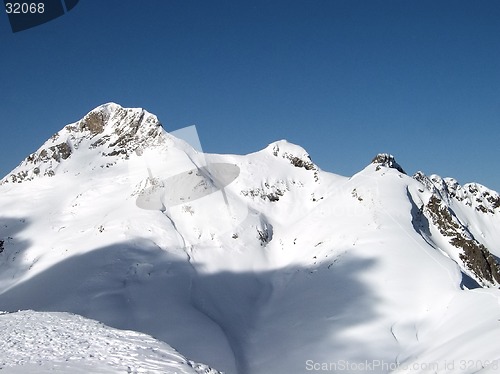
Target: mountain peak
{"type": "Point", "coordinates": [109, 131]}
{"type": "Point", "coordinates": [112, 118]}
{"type": "Point", "coordinates": [387, 160]}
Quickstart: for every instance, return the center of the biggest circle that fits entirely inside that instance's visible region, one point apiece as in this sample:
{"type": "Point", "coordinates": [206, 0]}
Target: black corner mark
{"type": "Point", "coordinates": [70, 4]}
{"type": "Point", "coordinates": [26, 14]}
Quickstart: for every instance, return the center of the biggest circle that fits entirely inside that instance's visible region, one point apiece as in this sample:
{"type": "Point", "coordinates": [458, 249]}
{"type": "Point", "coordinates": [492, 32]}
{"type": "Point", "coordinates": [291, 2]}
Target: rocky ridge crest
{"type": "Point", "coordinates": [446, 195]}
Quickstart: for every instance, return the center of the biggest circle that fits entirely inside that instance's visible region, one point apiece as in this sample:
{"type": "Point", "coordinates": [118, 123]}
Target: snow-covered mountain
{"type": "Point", "coordinates": [261, 263]}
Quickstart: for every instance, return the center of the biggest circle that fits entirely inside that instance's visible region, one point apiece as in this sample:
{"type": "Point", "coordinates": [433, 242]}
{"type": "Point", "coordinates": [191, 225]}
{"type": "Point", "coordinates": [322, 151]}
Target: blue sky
{"type": "Point", "coordinates": [344, 79]}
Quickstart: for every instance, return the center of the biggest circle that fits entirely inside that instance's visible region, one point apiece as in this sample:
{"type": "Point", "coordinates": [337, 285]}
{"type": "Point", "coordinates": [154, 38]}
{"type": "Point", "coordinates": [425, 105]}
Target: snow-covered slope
{"type": "Point", "coordinates": [41, 342]}
{"type": "Point", "coordinates": [252, 264]}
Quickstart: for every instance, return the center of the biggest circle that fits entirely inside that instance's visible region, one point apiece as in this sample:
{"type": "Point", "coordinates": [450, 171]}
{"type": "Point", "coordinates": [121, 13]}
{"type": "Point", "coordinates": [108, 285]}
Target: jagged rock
{"type": "Point", "coordinates": [475, 256]}
{"type": "Point", "coordinates": [94, 122]}
{"type": "Point", "coordinates": [478, 259]}
{"type": "Point", "coordinates": [269, 191]}
{"type": "Point", "coordinates": [387, 160]}
{"type": "Point", "coordinates": [265, 234]}
{"type": "Point", "coordinates": [299, 163]}
{"type": "Point", "coordinates": [297, 156]}
{"type": "Point", "coordinates": [474, 195]}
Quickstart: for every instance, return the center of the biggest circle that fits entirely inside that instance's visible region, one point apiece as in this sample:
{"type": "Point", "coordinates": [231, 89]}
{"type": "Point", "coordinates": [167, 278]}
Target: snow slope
{"type": "Point", "coordinates": [253, 264]}
{"type": "Point", "coordinates": [37, 342]}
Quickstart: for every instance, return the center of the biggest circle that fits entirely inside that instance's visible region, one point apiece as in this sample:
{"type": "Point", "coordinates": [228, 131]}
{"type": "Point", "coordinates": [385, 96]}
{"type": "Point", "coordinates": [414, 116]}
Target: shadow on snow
{"type": "Point", "coordinates": [239, 322]}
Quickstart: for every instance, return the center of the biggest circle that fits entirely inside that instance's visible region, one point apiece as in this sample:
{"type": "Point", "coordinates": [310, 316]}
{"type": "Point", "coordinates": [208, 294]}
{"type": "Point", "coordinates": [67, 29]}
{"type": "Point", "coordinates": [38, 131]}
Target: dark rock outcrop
{"type": "Point", "coordinates": [387, 160]}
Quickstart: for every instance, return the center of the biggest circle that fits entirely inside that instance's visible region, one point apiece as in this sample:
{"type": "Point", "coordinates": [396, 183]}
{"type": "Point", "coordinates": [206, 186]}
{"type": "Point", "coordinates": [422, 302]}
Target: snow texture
{"type": "Point", "coordinates": [37, 342]}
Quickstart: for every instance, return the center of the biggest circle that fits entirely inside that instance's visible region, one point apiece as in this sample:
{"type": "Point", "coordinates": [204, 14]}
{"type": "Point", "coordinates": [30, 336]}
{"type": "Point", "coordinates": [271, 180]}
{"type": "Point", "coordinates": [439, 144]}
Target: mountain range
{"type": "Point", "coordinates": [261, 263]}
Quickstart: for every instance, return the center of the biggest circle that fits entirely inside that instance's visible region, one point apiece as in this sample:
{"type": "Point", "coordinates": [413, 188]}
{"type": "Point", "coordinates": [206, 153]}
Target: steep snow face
{"type": "Point", "coordinates": [252, 264]}
{"type": "Point", "coordinates": [35, 342]}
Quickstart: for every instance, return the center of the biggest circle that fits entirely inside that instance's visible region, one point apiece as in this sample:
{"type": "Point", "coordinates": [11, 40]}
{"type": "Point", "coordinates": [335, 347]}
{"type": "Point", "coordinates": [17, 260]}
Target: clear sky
{"type": "Point", "coordinates": [344, 79]}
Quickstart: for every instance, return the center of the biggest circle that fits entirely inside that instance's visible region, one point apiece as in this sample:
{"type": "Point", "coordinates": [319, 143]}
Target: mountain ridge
{"type": "Point", "coordinates": [119, 130]}
{"type": "Point", "coordinates": [273, 261]}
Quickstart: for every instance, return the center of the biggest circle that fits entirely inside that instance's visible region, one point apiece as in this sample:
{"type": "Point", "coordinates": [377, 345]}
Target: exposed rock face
{"type": "Point", "coordinates": [475, 256]}
{"type": "Point", "coordinates": [296, 155]}
{"type": "Point", "coordinates": [94, 122]}
{"type": "Point", "coordinates": [473, 195]}
{"type": "Point", "coordinates": [113, 131]}
{"type": "Point", "coordinates": [387, 160]}
{"type": "Point", "coordinates": [446, 195]}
